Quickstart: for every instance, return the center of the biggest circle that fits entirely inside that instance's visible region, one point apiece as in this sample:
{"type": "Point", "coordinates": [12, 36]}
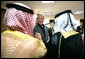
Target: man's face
{"type": "Point", "coordinates": [40, 19]}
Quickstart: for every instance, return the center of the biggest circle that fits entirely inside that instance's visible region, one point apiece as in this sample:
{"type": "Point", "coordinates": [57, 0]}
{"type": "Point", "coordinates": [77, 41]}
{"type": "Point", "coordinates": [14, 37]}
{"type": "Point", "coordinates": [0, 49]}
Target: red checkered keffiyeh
{"type": "Point", "coordinates": [19, 20]}
{"type": "Point", "coordinates": [15, 43]}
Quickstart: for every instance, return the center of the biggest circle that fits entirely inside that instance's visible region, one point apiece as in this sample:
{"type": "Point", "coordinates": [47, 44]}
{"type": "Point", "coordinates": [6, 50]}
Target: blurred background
{"type": "Point", "coordinates": [50, 9]}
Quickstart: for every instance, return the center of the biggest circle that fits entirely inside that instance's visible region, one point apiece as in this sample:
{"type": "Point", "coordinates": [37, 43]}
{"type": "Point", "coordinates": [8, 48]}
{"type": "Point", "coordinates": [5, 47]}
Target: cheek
{"type": "Point", "coordinates": [40, 20]}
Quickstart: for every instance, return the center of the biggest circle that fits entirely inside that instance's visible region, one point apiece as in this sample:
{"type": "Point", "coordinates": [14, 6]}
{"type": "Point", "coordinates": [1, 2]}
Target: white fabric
{"type": "Point", "coordinates": [22, 5]}
{"type": "Point", "coordinates": [61, 21]}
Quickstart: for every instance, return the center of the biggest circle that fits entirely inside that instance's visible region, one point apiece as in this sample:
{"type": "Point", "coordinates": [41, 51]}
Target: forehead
{"type": "Point", "coordinates": [40, 16]}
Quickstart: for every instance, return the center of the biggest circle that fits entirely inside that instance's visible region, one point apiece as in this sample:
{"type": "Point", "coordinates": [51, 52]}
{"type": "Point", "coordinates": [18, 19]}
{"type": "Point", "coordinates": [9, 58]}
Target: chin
{"type": "Point", "coordinates": [41, 24]}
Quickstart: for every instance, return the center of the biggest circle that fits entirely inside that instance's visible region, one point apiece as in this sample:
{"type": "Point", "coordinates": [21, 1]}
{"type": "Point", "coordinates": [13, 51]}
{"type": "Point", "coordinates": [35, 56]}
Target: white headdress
{"type": "Point", "coordinates": [64, 22]}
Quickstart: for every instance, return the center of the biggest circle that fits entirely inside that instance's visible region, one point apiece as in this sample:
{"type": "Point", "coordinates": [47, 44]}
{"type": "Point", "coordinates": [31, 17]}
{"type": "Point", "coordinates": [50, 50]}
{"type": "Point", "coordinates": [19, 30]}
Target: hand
{"type": "Point", "coordinates": [38, 35]}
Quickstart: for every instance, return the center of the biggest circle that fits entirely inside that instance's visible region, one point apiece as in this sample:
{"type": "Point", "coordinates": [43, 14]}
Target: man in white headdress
{"type": "Point", "coordinates": [65, 38]}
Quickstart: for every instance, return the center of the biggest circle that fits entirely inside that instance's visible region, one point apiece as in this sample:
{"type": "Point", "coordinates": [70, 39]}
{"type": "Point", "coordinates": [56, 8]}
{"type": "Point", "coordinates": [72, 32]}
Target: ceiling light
{"type": "Point", "coordinates": [47, 1]}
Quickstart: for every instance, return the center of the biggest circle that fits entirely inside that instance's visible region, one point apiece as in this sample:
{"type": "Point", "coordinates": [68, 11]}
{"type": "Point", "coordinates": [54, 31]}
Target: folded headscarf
{"type": "Point", "coordinates": [15, 44]}
{"type": "Point", "coordinates": [64, 22]}
{"type": "Point", "coordinates": [19, 17]}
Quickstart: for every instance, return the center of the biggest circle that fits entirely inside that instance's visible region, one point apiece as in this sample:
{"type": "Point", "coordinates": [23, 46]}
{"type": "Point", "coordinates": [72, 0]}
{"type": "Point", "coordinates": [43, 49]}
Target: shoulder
{"type": "Point", "coordinates": [45, 26]}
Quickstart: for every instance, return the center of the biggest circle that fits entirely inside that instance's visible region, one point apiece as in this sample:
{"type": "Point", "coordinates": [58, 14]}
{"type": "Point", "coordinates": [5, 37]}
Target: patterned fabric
{"type": "Point", "coordinates": [8, 45]}
{"type": "Point", "coordinates": [15, 44]}
{"type": "Point", "coordinates": [19, 20]}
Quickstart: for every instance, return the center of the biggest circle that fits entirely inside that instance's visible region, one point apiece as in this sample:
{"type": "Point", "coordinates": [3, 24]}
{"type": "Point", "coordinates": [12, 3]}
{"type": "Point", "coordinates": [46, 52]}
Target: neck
{"type": "Point", "coordinates": [40, 25]}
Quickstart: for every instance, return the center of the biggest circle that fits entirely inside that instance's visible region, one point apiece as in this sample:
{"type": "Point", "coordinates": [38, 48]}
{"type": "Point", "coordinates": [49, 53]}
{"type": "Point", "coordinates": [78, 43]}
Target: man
{"type": "Point", "coordinates": [68, 42]}
{"type": "Point", "coordinates": [17, 40]}
{"type": "Point", "coordinates": [40, 31]}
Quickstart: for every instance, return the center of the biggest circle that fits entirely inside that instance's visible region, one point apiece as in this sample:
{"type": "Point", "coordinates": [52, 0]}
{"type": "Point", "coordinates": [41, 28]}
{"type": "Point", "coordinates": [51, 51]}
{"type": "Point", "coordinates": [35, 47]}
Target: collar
{"type": "Point", "coordinates": [67, 34]}
{"type": "Point", "coordinates": [40, 26]}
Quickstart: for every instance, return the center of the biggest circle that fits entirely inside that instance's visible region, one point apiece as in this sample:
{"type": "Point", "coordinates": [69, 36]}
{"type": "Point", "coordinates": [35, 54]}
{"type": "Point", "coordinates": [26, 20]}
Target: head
{"type": "Point", "coordinates": [19, 17]}
{"type": "Point", "coordinates": [40, 19]}
{"type": "Point", "coordinates": [64, 21]}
